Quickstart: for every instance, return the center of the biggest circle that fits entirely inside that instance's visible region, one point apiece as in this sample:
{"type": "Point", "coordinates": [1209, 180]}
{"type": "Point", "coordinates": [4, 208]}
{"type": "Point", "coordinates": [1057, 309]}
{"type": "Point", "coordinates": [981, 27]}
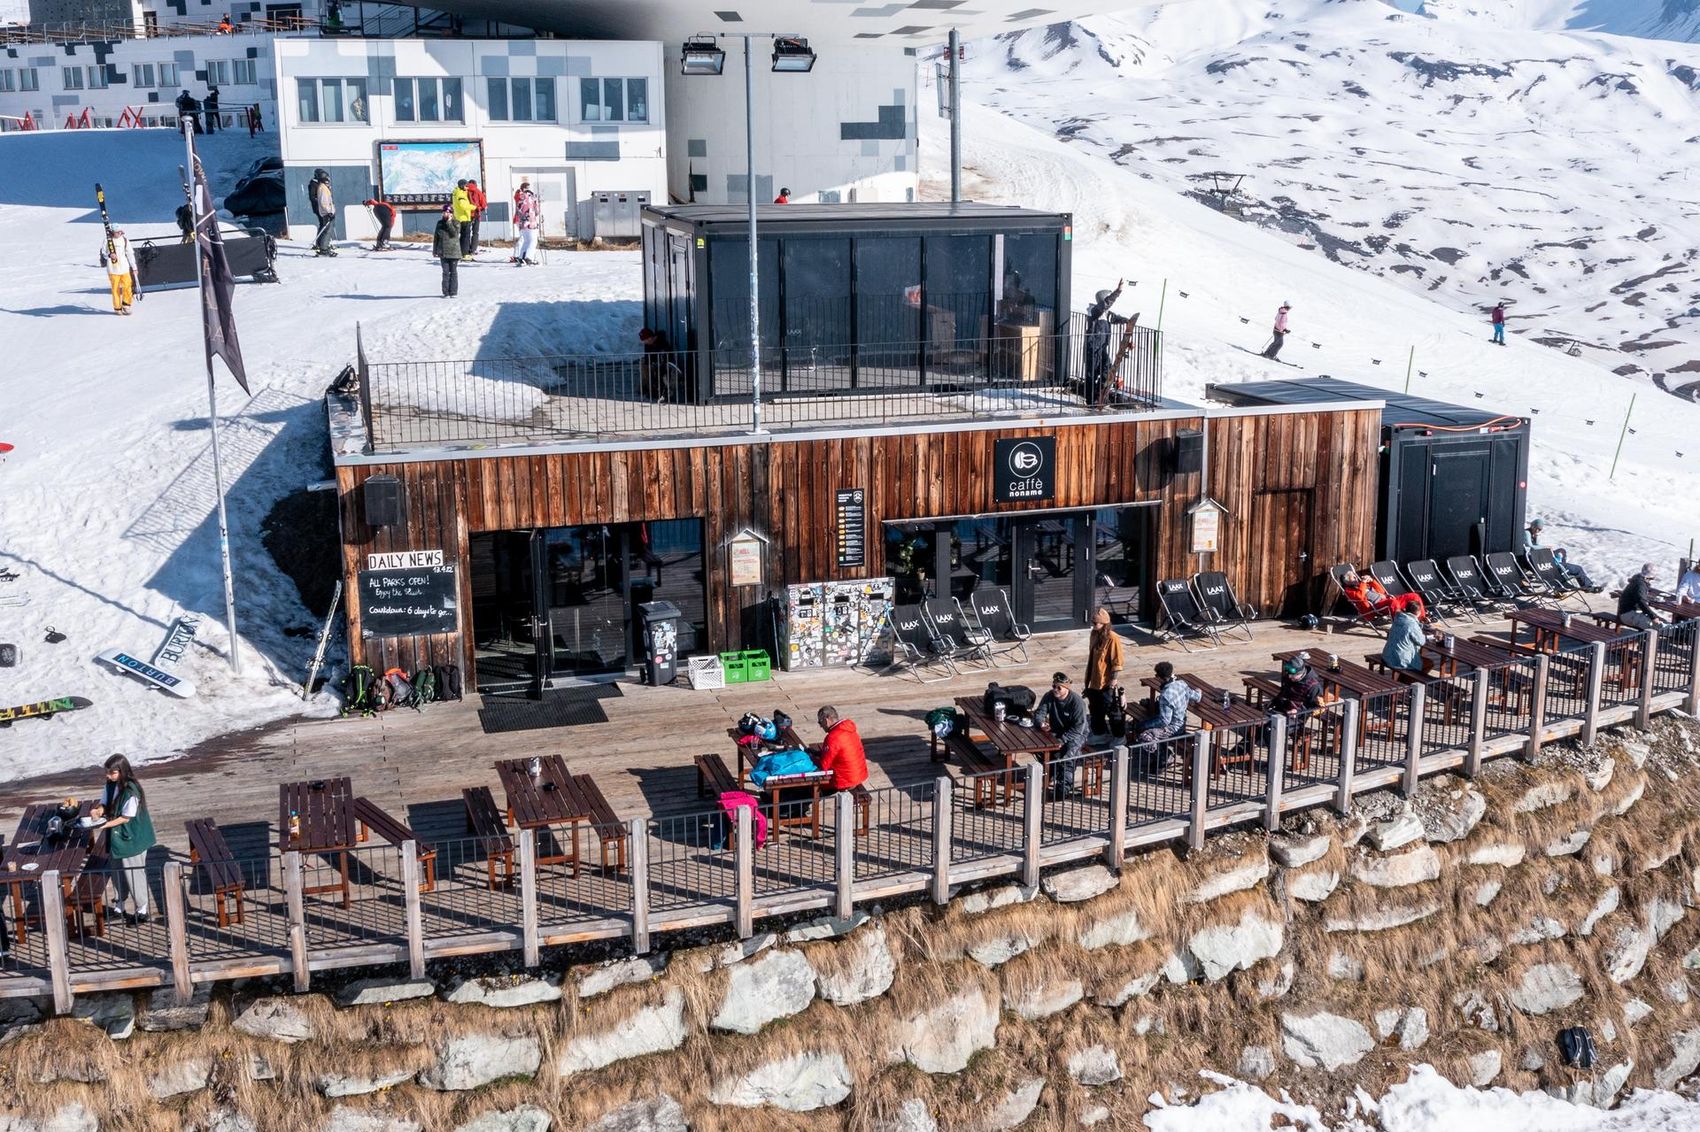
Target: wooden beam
{"type": "Point", "coordinates": [637, 836]}
{"type": "Point", "coordinates": [410, 882]}
{"type": "Point", "coordinates": [1478, 723]}
{"type": "Point", "coordinates": [1116, 850]}
{"type": "Point", "coordinates": [529, 933]}
{"type": "Point", "coordinates": [1415, 710]}
{"type": "Point", "coordinates": [58, 948]}
{"type": "Point", "coordinates": [942, 810]}
{"type": "Point", "coordinates": [1537, 709]}
{"type": "Point", "coordinates": [1200, 789]}
{"type": "Point", "coordinates": [296, 903]}
{"type": "Point", "coordinates": [1277, 765]}
{"type": "Point", "coordinates": [1032, 818]}
{"type": "Point", "coordinates": [1649, 668]}
{"type": "Point", "coordinates": [177, 929]}
{"type": "Point", "coordinates": [1691, 704]}
{"type": "Point", "coordinates": [1596, 684]}
{"type": "Point", "coordinates": [844, 854]}
{"type": "Point", "coordinates": [744, 866]}
{"type": "Point", "coordinates": [1348, 756]}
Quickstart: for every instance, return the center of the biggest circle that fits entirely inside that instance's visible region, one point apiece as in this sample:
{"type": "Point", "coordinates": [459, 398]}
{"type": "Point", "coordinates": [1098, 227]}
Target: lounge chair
{"type": "Point", "coordinates": [917, 648]}
{"type": "Point", "coordinates": [951, 627]}
{"type": "Point", "coordinates": [1503, 570]}
{"type": "Point", "coordinates": [1182, 618]}
{"type": "Point", "coordinates": [1467, 575]}
{"type": "Point", "coordinates": [1387, 573]}
{"type": "Point", "coordinates": [992, 611]}
{"type": "Point", "coordinates": [1219, 604]}
{"type": "Point", "coordinates": [1431, 585]}
{"type": "Point", "coordinates": [1362, 612]}
{"type": "Point", "coordinates": [1545, 567]}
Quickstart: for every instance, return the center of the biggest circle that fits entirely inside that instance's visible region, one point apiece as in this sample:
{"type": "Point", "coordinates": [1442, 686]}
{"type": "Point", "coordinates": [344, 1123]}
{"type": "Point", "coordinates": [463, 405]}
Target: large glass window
{"type": "Point", "coordinates": [1122, 545]}
{"type": "Point", "coordinates": [73, 78]}
{"type": "Point", "coordinates": [97, 78]}
{"type": "Point", "coordinates": [141, 75]}
{"type": "Point", "coordinates": [1029, 290]}
{"type": "Point", "coordinates": [167, 75]}
{"type": "Point", "coordinates": [613, 100]}
{"type": "Point", "coordinates": [729, 268]}
{"type": "Point", "coordinates": [817, 314]}
{"type": "Point", "coordinates": [521, 100]}
{"type": "Point", "coordinates": [28, 79]}
{"type": "Point", "coordinates": [957, 290]}
{"type": "Point", "coordinates": [428, 100]}
{"type": "Point", "coordinates": [242, 72]}
{"type": "Point", "coordinates": [911, 560]}
{"type": "Point", "coordinates": [331, 101]}
{"type": "Point", "coordinates": [888, 310]}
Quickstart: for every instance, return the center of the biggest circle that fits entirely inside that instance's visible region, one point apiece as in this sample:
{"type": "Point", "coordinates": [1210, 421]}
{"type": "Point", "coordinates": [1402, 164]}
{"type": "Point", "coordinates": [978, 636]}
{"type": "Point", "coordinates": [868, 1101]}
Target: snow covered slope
{"type": "Point", "coordinates": [1558, 170]}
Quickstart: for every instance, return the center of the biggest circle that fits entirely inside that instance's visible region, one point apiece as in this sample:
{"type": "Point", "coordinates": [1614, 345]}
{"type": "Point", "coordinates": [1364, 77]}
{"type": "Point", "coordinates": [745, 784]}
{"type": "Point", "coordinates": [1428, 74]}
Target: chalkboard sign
{"type": "Point", "coordinates": [402, 603]}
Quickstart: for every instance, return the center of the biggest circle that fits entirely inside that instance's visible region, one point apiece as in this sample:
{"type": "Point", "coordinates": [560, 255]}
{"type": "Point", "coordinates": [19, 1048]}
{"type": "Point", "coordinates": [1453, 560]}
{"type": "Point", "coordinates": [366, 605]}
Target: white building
{"type": "Point", "coordinates": [409, 117]}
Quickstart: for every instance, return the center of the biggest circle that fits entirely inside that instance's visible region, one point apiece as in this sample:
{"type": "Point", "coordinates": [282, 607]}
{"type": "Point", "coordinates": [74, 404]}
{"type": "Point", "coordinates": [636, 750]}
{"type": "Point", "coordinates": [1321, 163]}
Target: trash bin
{"type": "Point", "coordinates": [660, 641]}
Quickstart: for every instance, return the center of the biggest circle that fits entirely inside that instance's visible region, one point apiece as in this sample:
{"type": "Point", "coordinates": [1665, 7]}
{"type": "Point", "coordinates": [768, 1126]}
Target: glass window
{"type": "Point", "coordinates": [957, 289]}
{"type": "Point", "coordinates": [637, 100]}
{"type": "Point", "coordinates": [522, 100]}
{"type": "Point", "coordinates": [307, 99]}
{"type": "Point", "coordinates": [1122, 555]}
{"type": "Point", "coordinates": [429, 100]}
{"type": "Point", "coordinates": [429, 111]}
{"type": "Point", "coordinates": [980, 555]}
{"type": "Point", "coordinates": [28, 79]}
{"type": "Point", "coordinates": [73, 78]}
{"type": "Point", "coordinates": [141, 75]}
{"type": "Point", "coordinates": [498, 102]}
{"type": "Point", "coordinates": [7, 81]}
{"type": "Point", "coordinates": [1029, 291]}
{"type": "Point", "coordinates": [330, 100]}
{"type": "Point", "coordinates": [817, 313]}
{"type": "Point", "coordinates": [544, 102]}
{"type": "Point", "coordinates": [242, 72]}
{"type": "Point", "coordinates": [97, 78]}
{"type": "Point", "coordinates": [888, 310]}
{"type": "Point", "coordinates": [354, 94]}
{"type": "Point", "coordinates": [590, 100]}
{"type": "Point", "coordinates": [521, 96]}
{"type": "Point", "coordinates": [405, 110]}
{"type": "Point", "coordinates": [218, 72]}
{"type": "Point", "coordinates": [167, 75]}
{"type": "Point", "coordinates": [613, 100]}
{"type": "Point", "coordinates": [911, 560]}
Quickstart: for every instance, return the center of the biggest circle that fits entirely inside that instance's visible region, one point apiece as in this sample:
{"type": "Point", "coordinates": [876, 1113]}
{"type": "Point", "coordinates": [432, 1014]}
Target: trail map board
{"type": "Point", "coordinates": [404, 603]}
{"type": "Point", "coordinates": [852, 528]}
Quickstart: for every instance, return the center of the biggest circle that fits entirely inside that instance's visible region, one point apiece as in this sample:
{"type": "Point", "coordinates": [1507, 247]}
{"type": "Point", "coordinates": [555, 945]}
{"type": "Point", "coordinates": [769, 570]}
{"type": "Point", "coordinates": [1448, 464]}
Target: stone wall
{"type": "Point", "coordinates": [1462, 928]}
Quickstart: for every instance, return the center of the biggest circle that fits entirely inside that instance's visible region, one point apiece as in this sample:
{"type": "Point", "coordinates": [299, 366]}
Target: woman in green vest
{"type": "Point", "coordinates": [129, 835]}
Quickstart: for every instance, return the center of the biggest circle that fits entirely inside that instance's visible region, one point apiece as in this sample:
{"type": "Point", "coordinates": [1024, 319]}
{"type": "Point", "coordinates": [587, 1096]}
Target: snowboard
{"type": "Point", "coordinates": [147, 673]}
{"type": "Point", "coordinates": [45, 709]}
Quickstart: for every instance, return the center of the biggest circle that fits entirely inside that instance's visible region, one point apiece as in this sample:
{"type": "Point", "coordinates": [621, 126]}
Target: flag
{"type": "Point", "coordinates": [218, 315]}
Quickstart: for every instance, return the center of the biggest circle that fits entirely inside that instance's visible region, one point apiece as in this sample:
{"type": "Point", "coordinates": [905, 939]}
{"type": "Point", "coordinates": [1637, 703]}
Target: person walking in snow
{"type": "Point", "coordinates": [460, 201]}
{"type": "Point", "coordinates": [1498, 320]}
{"type": "Point", "coordinates": [475, 196]}
{"type": "Point", "coordinates": [528, 221]}
{"type": "Point", "coordinates": [385, 212]}
{"type": "Point", "coordinates": [1099, 330]}
{"type": "Point", "coordinates": [120, 264]}
{"type": "Point", "coordinates": [324, 211]}
{"type": "Point", "coordinates": [1274, 346]}
{"type": "Point", "coordinates": [446, 245]}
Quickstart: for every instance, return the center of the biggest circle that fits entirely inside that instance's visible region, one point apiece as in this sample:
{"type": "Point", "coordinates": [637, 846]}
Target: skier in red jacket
{"type": "Point", "coordinates": [480, 202]}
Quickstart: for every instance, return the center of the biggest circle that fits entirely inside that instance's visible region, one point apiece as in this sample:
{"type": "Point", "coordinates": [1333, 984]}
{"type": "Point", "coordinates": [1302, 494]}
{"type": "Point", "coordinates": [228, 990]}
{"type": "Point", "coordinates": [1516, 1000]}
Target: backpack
{"type": "Point", "coordinates": [425, 686]}
{"type": "Point", "coordinates": [754, 725]}
{"type": "Point", "coordinates": [400, 689]}
{"type": "Point", "coordinates": [1018, 699]}
{"type": "Point", "coordinates": [357, 690]}
{"type": "Point", "coordinates": [943, 721]}
{"type": "Point", "coordinates": [448, 681]}
{"type": "Point", "coordinates": [1577, 1046]}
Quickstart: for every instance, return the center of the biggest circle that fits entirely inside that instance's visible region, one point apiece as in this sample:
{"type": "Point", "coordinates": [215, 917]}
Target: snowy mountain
{"type": "Point", "coordinates": [1554, 169]}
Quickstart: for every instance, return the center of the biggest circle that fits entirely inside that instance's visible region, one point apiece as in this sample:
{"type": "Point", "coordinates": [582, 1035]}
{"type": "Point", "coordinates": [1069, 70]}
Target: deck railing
{"type": "Point", "coordinates": [294, 914]}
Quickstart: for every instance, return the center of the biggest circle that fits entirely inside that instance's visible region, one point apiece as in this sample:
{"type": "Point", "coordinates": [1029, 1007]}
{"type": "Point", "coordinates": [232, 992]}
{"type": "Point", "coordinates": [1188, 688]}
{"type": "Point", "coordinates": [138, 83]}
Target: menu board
{"type": "Point", "coordinates": [405, 603]}
{"type": "Point", "coordinates": [852, 527]}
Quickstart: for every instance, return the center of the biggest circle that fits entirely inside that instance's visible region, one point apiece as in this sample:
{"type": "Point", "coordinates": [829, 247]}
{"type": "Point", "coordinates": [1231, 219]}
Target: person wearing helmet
{"type": "Point", "coordinates": [1280, 335]}
{"type": "Point", "coordinates": [1301, 688]}
{"type": "Point", "coordinates": [1101, 321]}
{"type": "Point", "coordinates": [784, 197]}
{"type": "Point", "coordinates": [324, 211]}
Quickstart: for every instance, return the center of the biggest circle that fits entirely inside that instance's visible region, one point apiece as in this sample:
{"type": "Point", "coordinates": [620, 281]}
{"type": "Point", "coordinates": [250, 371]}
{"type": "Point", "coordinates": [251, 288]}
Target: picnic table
{"type": "Point", "coordinates": [1550, 632]}
{"type": "Point", "coordinates": [28, 858]}
{"type": "Point", "coordinates": [1214, 719]}
{"type": "Point", "coordinates": [324, 809]}
{"type": "Point", "coordinates": [551, 799]}
{"type": "Point", "coordinates": [1008, 738]}
{"type": "Point", "coordinates": [1680, 609]}
{"type": "Point", "coordinates": [793, 800]}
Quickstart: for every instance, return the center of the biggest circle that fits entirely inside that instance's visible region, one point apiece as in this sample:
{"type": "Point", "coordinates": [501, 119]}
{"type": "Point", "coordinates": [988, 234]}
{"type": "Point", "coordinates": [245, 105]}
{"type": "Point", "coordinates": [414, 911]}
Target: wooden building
{"type": "Point", "coordinates": [547, 550]}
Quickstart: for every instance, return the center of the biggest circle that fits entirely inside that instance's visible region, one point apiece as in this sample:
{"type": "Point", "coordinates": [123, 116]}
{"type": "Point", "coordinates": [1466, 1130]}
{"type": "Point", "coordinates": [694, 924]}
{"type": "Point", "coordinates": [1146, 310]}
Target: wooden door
{"type": "Point", "coordinates": [1281, 573]}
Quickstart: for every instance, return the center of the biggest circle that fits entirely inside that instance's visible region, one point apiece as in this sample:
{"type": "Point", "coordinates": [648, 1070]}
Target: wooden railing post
{"type": "Point", "coordinates": [637, 836]}
{"type": "Point", "coordinates": [58, 947]}
{"type": "Point", "coordinates": [410, 882]}
{"type": "Point", "coordinates": [1117, 848]}
{"type": "Point", "coordinates": [295, 901]}
{"type": "Point", "coordinates": [1348, 756]}
{"type": "Point", "coordinates": [744, 866]}
{"type": "Point", "coordinates": [1649, 666]}
{"type": "Point", "coordinates": [1276, 773]}
{"type": "Point", "coordinates": [529, 933]}
{"type": "Point", "coordinates": [1415, 710]}
{"type": "Point", "coordinates": [1478, 724]}
{"type": "Point", "coordinates": [844, 844]}
{"type": "Point", "coordinates": [942, 811]}
{"type": "Point", "coordinates": [1537, 709]}
{"type": "Point", "coordinates": [177, 929]}
{"type": "Point", "coordinates": [1200, 789]}
{"type": "Point", "coordinates": [1032, 815]}
{"type": "Point", "coordinates": [1596, 685]}
{"type": "Point", "coordinates": [1691, 705]}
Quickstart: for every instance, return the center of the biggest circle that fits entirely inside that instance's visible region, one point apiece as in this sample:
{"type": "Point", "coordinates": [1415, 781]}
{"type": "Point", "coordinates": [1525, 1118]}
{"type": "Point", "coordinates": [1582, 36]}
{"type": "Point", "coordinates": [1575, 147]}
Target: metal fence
{"type": "Point", "coordinates": [1238, 766]}
{"type": "Point", "coordinates": [1620, 679]}
{"type": "Point", "coordinates": [1078, 798]}
{"type": "Point", "coordinates": [1383, 729]}
{"type": "Point", "coordinates": [1674, 659]}
{"type": "Point", "coordinates": [1568, 674]}
{"type": "Point", "coordinates": [899, 834]}
{"type": "Point", "coordinates": [1510, 698]}
{"type": "Point", "coordinates": [1315, 740]}
{"type": "Point", "coordinates": [1448, 706]}
{"type": "Point", "coordinates": [690, 861]}
{"type": "Point", "coordinates": [985, 816]}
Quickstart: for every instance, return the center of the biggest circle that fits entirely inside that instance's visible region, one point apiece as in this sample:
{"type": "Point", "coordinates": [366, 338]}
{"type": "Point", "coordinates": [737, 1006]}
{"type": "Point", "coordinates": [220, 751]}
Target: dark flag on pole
{"type": "Point", "coordinates": [217, 284]}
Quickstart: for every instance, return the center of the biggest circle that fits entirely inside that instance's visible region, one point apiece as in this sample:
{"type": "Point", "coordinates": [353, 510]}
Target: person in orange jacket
{"type": "Point", "coordinates": [480, 202]}
{"type": "Point", "coordinates": [842, 752]}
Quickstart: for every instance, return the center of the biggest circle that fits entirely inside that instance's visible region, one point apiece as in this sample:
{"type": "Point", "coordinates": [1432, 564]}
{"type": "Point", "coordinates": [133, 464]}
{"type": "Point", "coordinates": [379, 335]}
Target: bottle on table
{"type": "Point", "coordinates": [294, 826]}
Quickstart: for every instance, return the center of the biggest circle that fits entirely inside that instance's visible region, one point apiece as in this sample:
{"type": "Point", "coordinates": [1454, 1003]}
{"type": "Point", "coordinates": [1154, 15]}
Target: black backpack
{"type": "Point", "coordinates": [1017, 699]}
{"type": "Point", "coordinates": [425, 687]}
{"type": "Point", "coordinates": [358, 690]}
{"type": "Point", "coordinates": [1577, 1046]}
{"type": "Point", "coordinates": [448, 682]}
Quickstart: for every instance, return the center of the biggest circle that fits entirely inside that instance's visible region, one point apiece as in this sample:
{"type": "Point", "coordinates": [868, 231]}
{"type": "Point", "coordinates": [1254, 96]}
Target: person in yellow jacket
{"type": "Point", "coordinates": [461, 203]}
{"type": "Point", "coordinates": [120, 264]}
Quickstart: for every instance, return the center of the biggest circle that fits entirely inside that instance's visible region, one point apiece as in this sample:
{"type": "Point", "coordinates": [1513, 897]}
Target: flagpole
{"type": "Point", "coordinates": [212, 419]}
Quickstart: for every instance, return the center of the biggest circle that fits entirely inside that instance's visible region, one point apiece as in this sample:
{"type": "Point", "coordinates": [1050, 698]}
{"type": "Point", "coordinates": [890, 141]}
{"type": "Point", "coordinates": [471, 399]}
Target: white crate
{"type": "Point", "coordinates": [706, 672]}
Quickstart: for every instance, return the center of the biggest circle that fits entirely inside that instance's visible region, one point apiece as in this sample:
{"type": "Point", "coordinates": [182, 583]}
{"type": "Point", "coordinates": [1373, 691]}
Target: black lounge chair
{"type": "Point", "coordinates": [1182, 618]}
{"type": "Point", "coordinates": [992, 611]}
{"type": "Point", "coordinates": [1431, 585]}
{"type": "Point", "coordinates": [1545, 567]}
{"type": "Point", "coordinates": [1503, 570]}
{"type": "Point", "coordinates": [1219, 604]}
{"type": "Point", "coordinates": [917, 647]}
{"type": "Point", "coordinates": [1467, 575]}
{"type": "Point", "coordinates": [1336, 593]}
{"type": "Point", "coordinates": [1387, 573]}
{"type": "Point", "coordinates": [952, 629]}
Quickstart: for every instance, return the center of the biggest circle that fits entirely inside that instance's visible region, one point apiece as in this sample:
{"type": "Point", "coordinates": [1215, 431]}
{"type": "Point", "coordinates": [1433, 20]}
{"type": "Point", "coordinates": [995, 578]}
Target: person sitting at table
{"type": "Point", "coordinates": [1063, 716]}
{"type": "Point", "coordinates": [1174, 696]}
{"type": "Point", "coordinates": [1532, 541]}
{"type": "Point", "coordinates": [1301, 688]}
{"type": "Point", "coordinates": [1371, 599]}
{"type": "Point", "coordinates": [1689, 588]}
{"type": "Point", "coordinates": [129, 836]}
{"type": "Point", "coordinates": [1404, 649]}
{"type": "Point", "coordinates": [1635, 603]}
{"type": "Point", "coordinates": [842, 751]}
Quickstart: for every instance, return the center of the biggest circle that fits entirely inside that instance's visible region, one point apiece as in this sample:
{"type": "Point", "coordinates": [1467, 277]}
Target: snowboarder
{"type": "Point", "coordinates": [461, 202]}
{"type": "Point", "coordinates": [446, 245]}
{"type": "Point", "coordinates": [1274, 346]}
{"type": "Point", "coordinates": [1498, 320]}
{"type": "Point", "coordinates": [1100, 321]}
{"type": "Point", "coordinates": [479, 202]}
{"type": "Point", "coordinates": [120, 266]}
{"type": "Point", "coordinates": [186, 108]}
{"type": "Point", "coordinates": [784, 197]}
{"type": "Point", "coordinates": [385, 212]}
{"type": "Point", "coordinates": [211, 106]}
{"type": "Point", "coordinates": [324, 210]}
{"type": "Point", "coordinates": [528, 220]}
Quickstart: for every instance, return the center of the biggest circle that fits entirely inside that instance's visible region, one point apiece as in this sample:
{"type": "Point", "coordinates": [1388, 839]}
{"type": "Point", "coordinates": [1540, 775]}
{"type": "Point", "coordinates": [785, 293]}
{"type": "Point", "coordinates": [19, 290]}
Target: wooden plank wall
{"type": "Point", "coordinates": [783, 490]}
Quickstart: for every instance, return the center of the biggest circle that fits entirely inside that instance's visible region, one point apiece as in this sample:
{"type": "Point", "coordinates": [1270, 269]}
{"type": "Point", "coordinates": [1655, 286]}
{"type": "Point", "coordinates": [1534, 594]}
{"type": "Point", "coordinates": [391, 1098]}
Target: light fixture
{"type": "Point", "coordinates": [791, 55]}
{"type": "Point", "coordinates": [701, 57]}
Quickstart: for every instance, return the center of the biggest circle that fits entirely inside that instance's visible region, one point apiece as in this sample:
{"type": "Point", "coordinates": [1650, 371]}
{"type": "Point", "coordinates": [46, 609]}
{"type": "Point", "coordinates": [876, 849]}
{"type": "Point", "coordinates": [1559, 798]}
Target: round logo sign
{"type": "Point", "coordinates": [1026, 460]}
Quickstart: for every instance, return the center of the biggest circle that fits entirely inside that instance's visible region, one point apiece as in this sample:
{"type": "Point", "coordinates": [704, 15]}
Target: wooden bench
{"type": "Point", "coordinates": [713, 776]}
{"type": "Point", "coordinates": [603, 819]}
{"type": "Point", "coordinates": [88, 894]}
{"type": "Point", "coordinates": [371, 819]}
{"type": "Point", "coordinates": [208, 849]}
{"type": "Point", "coordinates": [484, 821]}
{"type": "Point", "coordinates": [977, 763]}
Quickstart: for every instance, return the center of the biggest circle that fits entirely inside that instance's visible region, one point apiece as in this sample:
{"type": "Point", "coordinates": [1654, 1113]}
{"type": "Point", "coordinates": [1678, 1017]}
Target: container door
{"type": "Point", "coordinates": [1281, 573]}
{"type": "Point", "coordinates": [1458, 501]}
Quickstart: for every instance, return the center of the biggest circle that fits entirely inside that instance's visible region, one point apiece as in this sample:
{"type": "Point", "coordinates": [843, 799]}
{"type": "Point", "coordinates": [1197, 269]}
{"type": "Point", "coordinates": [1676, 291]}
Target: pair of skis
{"type": "Point", "coordinates": [112, 244]}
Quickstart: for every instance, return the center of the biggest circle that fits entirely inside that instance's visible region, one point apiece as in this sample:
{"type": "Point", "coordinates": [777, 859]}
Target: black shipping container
{"type": "Point", "coordinates": [854, 297]}
{"type": "Point", "coordinates": [1454, 479]}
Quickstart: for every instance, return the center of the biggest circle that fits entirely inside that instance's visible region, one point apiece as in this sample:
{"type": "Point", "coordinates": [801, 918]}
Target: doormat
{"type": "Point", "coordinates": [559, 707]}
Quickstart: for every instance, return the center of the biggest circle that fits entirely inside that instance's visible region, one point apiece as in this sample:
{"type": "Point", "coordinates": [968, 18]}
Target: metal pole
{"type": "Point", "coordinates": [1410, 362]}
{"type": "Point", "coordinates": [1620, 436]}
{"type": "Point", "coordinates": [212, 419]}
{"type": "Point", "coordinates": [755, 266]}
{"type": "Point", "coordinates": [1162, 301]}
{"type": "Point", "coordinates": [955, 115]}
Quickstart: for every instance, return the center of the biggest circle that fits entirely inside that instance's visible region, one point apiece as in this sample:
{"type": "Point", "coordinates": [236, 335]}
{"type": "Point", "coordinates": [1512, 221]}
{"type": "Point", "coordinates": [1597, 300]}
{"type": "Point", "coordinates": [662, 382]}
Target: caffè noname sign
{"type": "Point", "coordinates": [1026, 469]}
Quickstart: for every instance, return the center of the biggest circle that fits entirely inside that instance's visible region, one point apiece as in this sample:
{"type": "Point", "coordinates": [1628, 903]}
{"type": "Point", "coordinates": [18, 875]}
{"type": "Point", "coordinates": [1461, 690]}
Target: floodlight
{"type": "Point", "coordinates": [701, 57]}
{"type": "Point", "coordinates": [791, 55]}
